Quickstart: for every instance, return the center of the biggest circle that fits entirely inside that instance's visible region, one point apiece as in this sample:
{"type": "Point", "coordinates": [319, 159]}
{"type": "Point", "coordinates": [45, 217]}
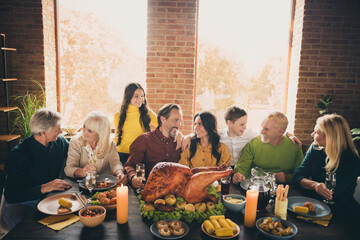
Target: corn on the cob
{"type": "Point", "coordinates": [299, 209]}
{"type": "Point", "coordinates": [215, 223]}
{"type": "Point", "coordinates": [223, 223]}
{"type": "Point", "coordinates": [224, 232]}
{"type": "Point", "coordinates": [209, 227]}
{"type": "Point", "coordinates": [231, 224]}
{"type": "Point", "coordinates": [217, 217]}
{"type": "Point", "coordinates": [65, 203]}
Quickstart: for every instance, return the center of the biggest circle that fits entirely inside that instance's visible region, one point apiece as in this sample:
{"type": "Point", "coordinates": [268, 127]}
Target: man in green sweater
{"type": "Point", "coordinates": [271, 152]}
{"type": "Point", "coordinates": [34, 166]}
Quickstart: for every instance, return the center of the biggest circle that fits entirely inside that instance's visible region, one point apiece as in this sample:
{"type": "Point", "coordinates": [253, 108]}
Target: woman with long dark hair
{"type": "Point", "coordinates": [205, 149]}
{"type": "Point", "coordinates": [133, 119]}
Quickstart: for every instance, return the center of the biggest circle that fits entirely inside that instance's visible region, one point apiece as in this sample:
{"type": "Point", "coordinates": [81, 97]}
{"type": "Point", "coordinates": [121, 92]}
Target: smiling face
{"type": "Point", "coordinates": [89, 135]}
{"type": "Point", "coordinates": [171, 125]}
{"type": "Point", "coordinates": [52, 135]}
{"type": "Point", "coordinates": [319, 137]}
{"type": "Point", "coordinates": [238, 127]}
{"type": "Point", "coordinates": [199, 128]}
{"type": "Point", "coordinates": [270, 131]}
{"type": "Point", "coordinates": [138, 98]}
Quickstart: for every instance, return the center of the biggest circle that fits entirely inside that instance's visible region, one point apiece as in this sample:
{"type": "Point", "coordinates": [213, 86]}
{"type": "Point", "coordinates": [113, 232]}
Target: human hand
{"type": "Point", "coordinates": [179, 139]}
{"type": "Point", "coordinates": [121, 178]}
{"type": "Point", "coordinates": [137, 183]}
{"type": "Point", "coordinates": [186, 142]}
{"type": "Point", "coordinates": [88, 168]}
{"type": "Point", "coordinates": [294, 139]}
{"type": "Point", "coordinates": [322, 190]}
{"type": "Point", "coordinates": [55, 185]}
{"type": "Point", "coordinates": [238, 178]}
{"type": "Point", "coordinates": [281, 177]}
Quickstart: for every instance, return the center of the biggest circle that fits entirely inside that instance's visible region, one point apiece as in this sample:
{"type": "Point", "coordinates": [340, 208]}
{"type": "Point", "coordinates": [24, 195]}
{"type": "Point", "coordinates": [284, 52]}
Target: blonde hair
{"type": "Point", "coordinates": [337, 137]}
{"type": "Point", "coordinates": [280, 119]}
{"type": "Point", "coordinates": [99, 123]}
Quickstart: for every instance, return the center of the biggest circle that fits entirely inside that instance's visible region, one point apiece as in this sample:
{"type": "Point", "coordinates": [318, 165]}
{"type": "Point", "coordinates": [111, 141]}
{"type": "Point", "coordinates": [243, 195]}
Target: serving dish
{"type": "Point", "coordinates": [285, 223]}
{"type": "Point", "coordinates": [101, 178]}
{"type": "Point", "coordinates": [50, 205]}
{"type": "Point", "coordinates": [321, 209]}
{"type": "Point", "coordinates": [155, 232]}
{"type": "Point", "coordinates": [214, 236]}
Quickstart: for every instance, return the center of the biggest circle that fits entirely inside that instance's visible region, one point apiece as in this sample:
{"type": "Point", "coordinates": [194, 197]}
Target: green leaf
{"type": "Point", "coordinates": [321, 105]}
{"type": "Point", "coordinates": [328, 98]}
{"type": "Point", "coordinates": [324, 112]}
{"type": "Point", "coordinates": [355, 131]}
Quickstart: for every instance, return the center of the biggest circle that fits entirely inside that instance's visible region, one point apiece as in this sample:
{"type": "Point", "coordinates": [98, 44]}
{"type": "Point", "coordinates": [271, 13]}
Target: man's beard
{"type": "Point", "coordinates": [264, 140]}
{"type": "Point", "coordinates": [173, 133]}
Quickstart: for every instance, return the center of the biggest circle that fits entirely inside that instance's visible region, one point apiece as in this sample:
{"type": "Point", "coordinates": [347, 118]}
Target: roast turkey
{"type": "Point", "coordinates": [180, 180]}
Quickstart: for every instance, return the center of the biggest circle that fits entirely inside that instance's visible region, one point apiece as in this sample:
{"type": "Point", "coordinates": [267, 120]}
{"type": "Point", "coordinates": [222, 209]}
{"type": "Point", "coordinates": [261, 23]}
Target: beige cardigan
{"type": "Point", "coordinates": [78, 156]}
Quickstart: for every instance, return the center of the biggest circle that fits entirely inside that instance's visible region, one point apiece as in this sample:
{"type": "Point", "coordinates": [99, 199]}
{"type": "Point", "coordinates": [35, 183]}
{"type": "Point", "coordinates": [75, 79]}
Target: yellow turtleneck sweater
{"type": "Point", "coordinates": [132, 127]}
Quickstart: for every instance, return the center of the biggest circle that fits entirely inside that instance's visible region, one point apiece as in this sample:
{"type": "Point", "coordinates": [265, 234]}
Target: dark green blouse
{"type": "Point", "coordinates": [313, 167]}
{"type": "Point", "coordinates": [31, 164]}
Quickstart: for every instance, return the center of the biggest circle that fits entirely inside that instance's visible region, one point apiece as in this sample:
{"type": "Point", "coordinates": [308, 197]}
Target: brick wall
{"type": "Point", "coordinates": [171, 52]}
{"type": "Point", "coordinates": [327, 60]}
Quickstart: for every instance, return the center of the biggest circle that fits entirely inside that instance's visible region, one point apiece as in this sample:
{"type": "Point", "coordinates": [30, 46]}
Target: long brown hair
{"type": "Point", "coordinates": [144, 113]}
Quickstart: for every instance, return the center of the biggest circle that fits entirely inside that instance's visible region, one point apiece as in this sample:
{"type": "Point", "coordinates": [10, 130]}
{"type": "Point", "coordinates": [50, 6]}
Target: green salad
{"type": "Point", "coordinates": [184, 215]}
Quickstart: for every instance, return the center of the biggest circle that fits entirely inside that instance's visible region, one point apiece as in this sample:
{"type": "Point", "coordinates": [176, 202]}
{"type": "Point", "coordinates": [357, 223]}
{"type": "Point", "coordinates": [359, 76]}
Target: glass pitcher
{"type": "Point", "coordinates": [260, 182]}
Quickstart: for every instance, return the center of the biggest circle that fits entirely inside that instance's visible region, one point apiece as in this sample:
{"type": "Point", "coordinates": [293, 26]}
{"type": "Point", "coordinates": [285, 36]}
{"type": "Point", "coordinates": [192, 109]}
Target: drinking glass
{"type": "Point", "coordinates": [140, 174]}
{"type": "Point", "coordinates": [90, 181]}
{"type": "Point", "coordinates": [272, 186]}
{"type": "Point", "coordinates": [225, 185]}
{"type": "Point", "coordinates": [330, 183]}
{"type": "Point", "coordinates": [92, 159]}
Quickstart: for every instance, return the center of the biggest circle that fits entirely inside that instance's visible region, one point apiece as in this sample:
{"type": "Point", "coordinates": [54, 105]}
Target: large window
{"type": "Point", "coordinates": [102, 48]}
{"type": "Point", "coordinates": [242, 56]}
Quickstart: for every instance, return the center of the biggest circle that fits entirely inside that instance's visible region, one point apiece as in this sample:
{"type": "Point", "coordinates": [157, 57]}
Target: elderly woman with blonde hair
{"type": "Point", "coordinates": [332, 151]}
{"type": "Point", "coordinates": [93, 150]}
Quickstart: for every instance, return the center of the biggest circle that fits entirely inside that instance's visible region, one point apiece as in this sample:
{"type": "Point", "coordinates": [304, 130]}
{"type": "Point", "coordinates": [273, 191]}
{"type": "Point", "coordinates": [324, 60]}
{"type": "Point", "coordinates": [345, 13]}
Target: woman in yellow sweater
{"type": "Point", "coordinates": [133, 119]}
{"type": "Point", "coordinates": [205, 149]}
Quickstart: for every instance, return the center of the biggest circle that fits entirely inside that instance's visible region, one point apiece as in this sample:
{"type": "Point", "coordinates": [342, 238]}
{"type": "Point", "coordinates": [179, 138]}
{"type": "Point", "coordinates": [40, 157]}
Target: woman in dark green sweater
{"type": "Point", "coordinates": [337, 155]}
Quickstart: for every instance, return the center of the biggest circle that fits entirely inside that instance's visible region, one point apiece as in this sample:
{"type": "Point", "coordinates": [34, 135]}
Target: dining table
{"type": "Point", "coordinates": [138, 227]}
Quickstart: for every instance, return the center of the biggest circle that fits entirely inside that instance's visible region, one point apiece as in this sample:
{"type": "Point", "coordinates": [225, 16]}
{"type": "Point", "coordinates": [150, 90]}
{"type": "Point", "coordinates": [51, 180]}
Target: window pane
{"type": "Point", "coordinates": [242, 57]}
{"type": "Point", "coordinates": [102, 48]}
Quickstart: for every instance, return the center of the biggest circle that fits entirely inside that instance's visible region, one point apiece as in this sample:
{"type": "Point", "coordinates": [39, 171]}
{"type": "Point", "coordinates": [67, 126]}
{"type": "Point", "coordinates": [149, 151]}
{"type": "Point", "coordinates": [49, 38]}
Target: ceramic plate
{"type": "Point", "coordinates": [50, 205]}
{"type": "Point", "coordinates": [101, 178]}
{"type": "Point", "coordinates": [321, 209]}
{"type": "Point", "coordinates": [155, 232]}
{"type": "Point", "coordinates": [214, 236]}
{"type": "Point", "coordinates": [245, 184]}
{"type": "Point", "coordinates": [285, 223]}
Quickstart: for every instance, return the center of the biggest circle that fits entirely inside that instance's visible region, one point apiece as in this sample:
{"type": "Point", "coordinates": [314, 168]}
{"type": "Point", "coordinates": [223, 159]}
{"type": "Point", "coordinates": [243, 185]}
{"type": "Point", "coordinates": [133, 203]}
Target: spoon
{"type": "Point", "coordinates": [82, 202]}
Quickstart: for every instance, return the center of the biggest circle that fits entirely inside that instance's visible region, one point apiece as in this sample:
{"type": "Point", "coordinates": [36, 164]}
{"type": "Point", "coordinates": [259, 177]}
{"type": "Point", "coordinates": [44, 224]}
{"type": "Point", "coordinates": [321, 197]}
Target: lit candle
{"type": "Point", "coordinates": [122, 204]}
{"type": "Point", "coordinates": [250, 207]}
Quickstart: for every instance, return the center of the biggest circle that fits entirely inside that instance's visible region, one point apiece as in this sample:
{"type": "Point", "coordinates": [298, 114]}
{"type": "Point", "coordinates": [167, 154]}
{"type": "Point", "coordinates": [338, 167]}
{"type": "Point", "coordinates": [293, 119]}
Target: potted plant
{"type": "Point", "coordinates": [27, 105]}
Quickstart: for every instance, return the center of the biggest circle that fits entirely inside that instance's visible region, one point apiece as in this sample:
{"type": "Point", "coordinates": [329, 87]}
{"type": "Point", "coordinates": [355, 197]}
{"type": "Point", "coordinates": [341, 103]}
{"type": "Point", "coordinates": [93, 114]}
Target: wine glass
{"type": "Point", "coordinates": [330, 183]}
{"type": "Point", "coordinates": [140, 174]}
{"type": "Point", "coordinates": [272, 186]}
{"type": "Point", "coordinates": [92, 159]}
{"type": "Point", "coordinates": [90, 181]}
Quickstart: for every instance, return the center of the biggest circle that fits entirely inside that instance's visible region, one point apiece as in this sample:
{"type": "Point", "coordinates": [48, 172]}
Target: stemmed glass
{"type": "Point", "coordinates": [272, 186]}
{"type": "Point", "coordinates": [330, 183]}
{"type": "Point", "coordinates": [90, 181]}
{"type": "Point", "coordinates": [92, 159]}
{"type": "Point", "coordinates": [140, 174]}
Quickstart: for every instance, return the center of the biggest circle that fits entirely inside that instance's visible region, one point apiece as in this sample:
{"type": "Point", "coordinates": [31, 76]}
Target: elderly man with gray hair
{"type": "Point", "coordinates": [272, 152]}
{"type": "Point", "coordinates": [34, 166]}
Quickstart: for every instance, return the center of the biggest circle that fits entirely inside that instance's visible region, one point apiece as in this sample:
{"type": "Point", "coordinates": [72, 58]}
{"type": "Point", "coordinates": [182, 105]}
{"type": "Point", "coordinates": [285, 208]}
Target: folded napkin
{"type": "Point", "coordinates": [71, 218]}
{"type": "Point", "coordinates": [323, 221]}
